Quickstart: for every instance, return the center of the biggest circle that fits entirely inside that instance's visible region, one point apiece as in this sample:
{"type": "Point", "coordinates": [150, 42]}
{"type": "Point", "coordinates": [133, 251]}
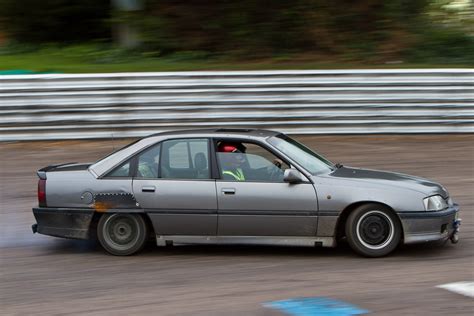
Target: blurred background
{"type": "Point", "coordinates": [147, 35]}
{"type": "Point", "coordinates": [375, 84]}
{"type": "Point", "coordinates": [317, 66]}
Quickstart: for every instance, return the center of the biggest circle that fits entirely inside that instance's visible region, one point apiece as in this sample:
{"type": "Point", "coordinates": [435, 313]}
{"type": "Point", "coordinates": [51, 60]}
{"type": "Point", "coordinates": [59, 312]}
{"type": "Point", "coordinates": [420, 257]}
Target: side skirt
{"type": "Point", "coordinates": [165, 240]}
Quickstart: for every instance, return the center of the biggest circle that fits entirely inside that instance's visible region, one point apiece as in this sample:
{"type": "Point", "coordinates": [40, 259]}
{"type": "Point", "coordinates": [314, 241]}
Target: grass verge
{"type": "Point", "coordinates": [56, 63]}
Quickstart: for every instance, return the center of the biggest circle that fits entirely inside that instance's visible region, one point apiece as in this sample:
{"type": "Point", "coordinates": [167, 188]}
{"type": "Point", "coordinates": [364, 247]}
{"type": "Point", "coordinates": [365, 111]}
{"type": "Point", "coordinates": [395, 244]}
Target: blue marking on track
{"type": "Point", "coordinates": [315, 306]}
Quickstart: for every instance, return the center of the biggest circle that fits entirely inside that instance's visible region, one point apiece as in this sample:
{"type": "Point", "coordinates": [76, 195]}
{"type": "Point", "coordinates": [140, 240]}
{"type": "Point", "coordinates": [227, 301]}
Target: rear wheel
{"type": "Point", "coordinates": [122, 234]}
{"type": "Point", "coordinates": [372, 230]}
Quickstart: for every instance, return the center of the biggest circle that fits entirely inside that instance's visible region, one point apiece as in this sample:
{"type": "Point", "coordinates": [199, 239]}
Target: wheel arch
{"type": "Point", "coordinates": [342, 219]}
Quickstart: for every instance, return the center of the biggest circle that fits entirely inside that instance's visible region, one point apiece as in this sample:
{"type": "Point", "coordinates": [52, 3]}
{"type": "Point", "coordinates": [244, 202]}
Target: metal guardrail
{"type": "Point", "coordinates": [63, 106]}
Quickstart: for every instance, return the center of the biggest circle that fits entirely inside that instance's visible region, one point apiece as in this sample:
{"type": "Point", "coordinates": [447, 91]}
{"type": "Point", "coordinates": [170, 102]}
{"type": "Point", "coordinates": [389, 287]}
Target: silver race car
{"type": "Point", "coordinates": [238, 186]}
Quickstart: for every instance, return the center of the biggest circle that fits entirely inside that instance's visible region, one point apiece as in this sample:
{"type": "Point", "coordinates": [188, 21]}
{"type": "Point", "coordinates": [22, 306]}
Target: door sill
{"type": "Point", "coordinates": [163, 240]}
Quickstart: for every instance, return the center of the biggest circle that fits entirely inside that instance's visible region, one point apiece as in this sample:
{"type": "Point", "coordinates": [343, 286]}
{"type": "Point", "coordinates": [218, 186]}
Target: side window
{"type": "Point", "coordinates": [121, 171]}
{"type": "Point", "coordinates": [240, 161]}
{"type": "Point", "coordinates": [178, 154]}
{"type": "Point", "coordinates": [185, 159]}
{"type": "Point", "coordinates": [148, 163]}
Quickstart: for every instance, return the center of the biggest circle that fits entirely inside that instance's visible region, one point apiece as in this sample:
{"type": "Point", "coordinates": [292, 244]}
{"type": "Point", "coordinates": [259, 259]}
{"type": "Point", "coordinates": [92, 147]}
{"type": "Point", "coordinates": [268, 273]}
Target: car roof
{"type": "Point", "coordinates": [219, 132]}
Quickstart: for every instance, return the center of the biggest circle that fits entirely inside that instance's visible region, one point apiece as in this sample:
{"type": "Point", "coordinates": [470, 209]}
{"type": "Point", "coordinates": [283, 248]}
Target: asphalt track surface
{"type": "Point", "coordinates": [47, 275]}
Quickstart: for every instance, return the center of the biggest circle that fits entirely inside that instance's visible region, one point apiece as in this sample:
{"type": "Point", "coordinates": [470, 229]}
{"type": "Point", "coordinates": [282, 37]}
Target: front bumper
{"type": "Point", "coordinates": [61, 222]}
{"type": "Point", "coordinates": [430, 226]}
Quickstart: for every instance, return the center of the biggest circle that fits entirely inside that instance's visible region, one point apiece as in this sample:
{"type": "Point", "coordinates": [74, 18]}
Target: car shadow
{"type": "Point", "coordinates": [416, 252]}
{"type": "Point", "coordinates": [242, 251]}
{"type": "Point", "coordinates": [72, 246]}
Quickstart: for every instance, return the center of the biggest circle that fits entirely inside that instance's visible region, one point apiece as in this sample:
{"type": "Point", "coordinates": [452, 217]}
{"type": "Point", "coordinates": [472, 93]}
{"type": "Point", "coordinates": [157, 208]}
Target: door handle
{"type": "Point", "coordinates": [228, 191]}
{"type": "Point", "coordinates": [148, 189]}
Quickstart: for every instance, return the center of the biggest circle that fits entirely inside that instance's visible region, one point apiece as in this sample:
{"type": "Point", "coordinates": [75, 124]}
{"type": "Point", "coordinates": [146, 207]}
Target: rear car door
{"type": "Point", "coordinates": [173, 184]}
{"type": "Point", "coordinates": [260, 203]}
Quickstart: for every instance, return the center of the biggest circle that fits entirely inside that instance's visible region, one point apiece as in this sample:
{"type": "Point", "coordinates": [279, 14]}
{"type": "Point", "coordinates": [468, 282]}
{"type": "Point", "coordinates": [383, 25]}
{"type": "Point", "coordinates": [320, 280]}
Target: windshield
{"type": "Point", "coordinates": [301, 154]}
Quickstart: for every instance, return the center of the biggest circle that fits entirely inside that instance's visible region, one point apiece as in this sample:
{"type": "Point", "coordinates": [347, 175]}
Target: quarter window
{"type": "Point", "coordinates": [121, 171]}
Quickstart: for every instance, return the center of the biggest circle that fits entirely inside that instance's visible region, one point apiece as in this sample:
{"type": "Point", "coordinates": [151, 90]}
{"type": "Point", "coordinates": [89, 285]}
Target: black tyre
{"type": "Point", "coordinates": [122, 234]}
{"type": "Point", "coordinates": [372, 230]}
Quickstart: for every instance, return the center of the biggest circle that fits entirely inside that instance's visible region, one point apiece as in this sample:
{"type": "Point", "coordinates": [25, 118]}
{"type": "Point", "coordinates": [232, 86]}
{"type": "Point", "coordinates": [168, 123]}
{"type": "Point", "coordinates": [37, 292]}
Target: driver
{"type": "Point", "coordinates": [232, 158]}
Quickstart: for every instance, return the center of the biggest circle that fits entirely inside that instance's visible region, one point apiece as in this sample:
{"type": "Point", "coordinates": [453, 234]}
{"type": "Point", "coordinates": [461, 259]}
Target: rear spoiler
{"type": "Point", "coordinates": [42, 172]}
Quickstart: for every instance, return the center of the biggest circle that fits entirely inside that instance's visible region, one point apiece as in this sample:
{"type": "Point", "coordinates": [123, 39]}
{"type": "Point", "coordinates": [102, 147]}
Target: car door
{"type": "Point", "coordinates": [262, 204]}
{"type": "Point", "coordinates": [173, 184]}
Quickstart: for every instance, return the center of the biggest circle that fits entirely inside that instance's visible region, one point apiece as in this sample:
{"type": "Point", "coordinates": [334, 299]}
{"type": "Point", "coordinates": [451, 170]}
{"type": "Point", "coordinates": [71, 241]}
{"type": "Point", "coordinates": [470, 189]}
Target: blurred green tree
{"type": "Point", "coordinates": [59, 21]}
{"type": "Point", "coordinates": [345, 30]}
{"type": "Point", "coordinates": [258, 27]}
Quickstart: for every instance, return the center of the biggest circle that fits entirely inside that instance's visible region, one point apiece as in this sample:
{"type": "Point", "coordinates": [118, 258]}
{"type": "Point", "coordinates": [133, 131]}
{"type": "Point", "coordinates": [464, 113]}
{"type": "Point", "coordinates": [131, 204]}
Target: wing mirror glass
{"type": "Point", "coordinates": [293, 176]}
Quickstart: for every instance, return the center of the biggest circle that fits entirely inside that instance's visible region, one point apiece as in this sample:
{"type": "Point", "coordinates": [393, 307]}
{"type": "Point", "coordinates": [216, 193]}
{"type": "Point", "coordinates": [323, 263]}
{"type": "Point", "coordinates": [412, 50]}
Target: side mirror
{"type": "Point", "coordinates": [293, 176]}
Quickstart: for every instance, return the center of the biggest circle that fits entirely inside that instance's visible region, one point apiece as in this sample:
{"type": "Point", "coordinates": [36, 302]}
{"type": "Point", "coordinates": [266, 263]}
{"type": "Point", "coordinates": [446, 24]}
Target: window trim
{"type": "Point", "coordinates": [215, 174]}
{"type": "Point", "coordinates": [213, 163]}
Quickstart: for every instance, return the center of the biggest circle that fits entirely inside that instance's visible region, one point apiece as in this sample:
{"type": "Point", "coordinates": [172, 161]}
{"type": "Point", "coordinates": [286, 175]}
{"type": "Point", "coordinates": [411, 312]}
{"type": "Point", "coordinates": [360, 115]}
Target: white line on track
{"type": "Point", "coordinates": [465, 288]}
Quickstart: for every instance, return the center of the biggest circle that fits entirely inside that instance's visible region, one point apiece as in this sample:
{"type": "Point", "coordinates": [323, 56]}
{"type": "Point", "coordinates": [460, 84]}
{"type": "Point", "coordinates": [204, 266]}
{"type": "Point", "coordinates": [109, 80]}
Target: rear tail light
{"type": "Point", "coordinates": [42, 192]}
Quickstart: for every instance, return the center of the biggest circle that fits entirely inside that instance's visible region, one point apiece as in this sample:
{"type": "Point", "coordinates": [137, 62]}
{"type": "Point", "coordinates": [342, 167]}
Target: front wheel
{"type": "Point", "coordinates": [122, 234]}
{"type": "Point", "coordinates": [372, 230]}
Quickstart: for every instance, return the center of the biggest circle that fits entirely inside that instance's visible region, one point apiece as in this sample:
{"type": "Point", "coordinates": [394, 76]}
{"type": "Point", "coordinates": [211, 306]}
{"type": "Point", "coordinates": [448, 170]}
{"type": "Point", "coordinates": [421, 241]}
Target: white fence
{"type": "Point", "coordinates": [60, 106]}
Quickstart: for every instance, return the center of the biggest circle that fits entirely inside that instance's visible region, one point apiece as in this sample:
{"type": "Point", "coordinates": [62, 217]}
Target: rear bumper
{"type": "Point", "coordinates": [430, 226]}
{"type": "Point", "coordinates": [61, 222]}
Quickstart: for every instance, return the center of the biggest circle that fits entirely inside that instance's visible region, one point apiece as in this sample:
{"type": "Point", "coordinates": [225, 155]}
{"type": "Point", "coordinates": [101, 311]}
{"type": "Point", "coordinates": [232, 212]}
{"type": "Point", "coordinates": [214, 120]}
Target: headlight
{"type": "Point", "coordinates": [435, 203]}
